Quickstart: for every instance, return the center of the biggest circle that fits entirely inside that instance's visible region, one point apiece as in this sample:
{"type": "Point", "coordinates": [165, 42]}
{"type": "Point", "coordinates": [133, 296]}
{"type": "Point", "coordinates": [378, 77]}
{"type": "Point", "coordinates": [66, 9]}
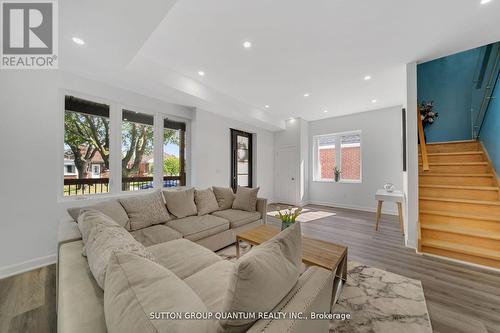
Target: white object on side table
{"type": "Point", "coordinates": [397, 197]}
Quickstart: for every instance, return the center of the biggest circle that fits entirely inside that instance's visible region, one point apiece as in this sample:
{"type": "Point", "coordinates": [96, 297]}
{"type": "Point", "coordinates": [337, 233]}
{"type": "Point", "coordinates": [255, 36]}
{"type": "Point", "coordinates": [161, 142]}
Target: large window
{"type": "Point", "coordinates": [86, 147]}
{"type": "Point", "coordinates": [110, 149]}
{"type": "Point", "coordinates": [174, 153]}
{"type": "Point", "coordinates": [137, 150]}
{"type": "Point", "coordinates": [341, 151]}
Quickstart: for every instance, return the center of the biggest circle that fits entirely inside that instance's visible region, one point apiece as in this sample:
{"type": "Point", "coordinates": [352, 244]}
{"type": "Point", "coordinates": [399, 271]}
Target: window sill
{"type": "Point", "coordinates": [98, 196]}
{"type": "Point", "coordinates": [339, 182]}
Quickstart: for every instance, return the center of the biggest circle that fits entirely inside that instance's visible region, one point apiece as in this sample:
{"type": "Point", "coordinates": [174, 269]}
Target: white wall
{"type": "Point", "coordinates": [294, 138]}
{"type": "Point", "coordinates": [30, 148]}
{"type": "Point", "coordinates": [211, 152]}
{"type": "Point", "coordinates": [411, 176]}
{"type": "Point", "coordinates": [382, 160]}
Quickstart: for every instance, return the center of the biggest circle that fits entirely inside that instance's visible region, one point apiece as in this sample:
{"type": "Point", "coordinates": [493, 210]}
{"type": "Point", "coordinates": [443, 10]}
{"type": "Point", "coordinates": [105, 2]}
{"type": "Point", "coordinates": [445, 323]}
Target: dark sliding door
{"type": "Point", "coordinates": [241, 159]}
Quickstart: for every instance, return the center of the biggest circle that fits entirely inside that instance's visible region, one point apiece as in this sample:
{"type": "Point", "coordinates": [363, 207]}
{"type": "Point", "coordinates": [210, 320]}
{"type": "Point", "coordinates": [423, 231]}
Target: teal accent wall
{"type": "Point", "coordinates": [448, 82]}
{"type": "Point", "coordinates": [490, 132]}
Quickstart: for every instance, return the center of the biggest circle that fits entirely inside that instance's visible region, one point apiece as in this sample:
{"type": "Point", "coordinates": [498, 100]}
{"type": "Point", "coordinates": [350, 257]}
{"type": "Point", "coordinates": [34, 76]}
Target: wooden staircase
{"type": "Point", "coordinates": [459, 203]}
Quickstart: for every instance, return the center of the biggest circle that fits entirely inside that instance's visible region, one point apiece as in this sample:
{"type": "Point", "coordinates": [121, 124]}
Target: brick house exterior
{"type": "Point", "coordinates": [351, 158]}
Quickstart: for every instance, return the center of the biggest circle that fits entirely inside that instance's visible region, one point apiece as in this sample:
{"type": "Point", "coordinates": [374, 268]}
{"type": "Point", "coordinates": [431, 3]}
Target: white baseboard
{"type": "Point", "coordinates": [354, 207]}
{"type": "Point", "coordinates": [26, 266]}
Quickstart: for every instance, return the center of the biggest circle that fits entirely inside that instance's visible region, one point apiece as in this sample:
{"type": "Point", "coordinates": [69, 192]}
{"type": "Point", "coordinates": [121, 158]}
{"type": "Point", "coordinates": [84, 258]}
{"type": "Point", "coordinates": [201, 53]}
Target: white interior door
{"type": "Point", "coordinates": [286, 175]}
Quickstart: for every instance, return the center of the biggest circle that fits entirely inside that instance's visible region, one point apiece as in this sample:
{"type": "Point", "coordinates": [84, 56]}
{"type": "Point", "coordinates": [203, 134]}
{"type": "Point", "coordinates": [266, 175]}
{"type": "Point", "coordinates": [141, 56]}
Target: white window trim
{"type": "Point", "coordinates": [115, 119]}
{"type": "Point", "coordinates": [338, 157]}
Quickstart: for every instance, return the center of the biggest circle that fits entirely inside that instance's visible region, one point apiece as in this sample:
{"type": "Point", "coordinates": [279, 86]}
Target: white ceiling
{"type": "Point", "coordinates": [323, 47]}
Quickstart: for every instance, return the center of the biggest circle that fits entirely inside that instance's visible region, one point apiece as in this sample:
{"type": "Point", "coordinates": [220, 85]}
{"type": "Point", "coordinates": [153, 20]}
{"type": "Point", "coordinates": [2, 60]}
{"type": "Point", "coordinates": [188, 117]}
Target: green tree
{"type": "Point", "coordinates": [85, 135]}
{"type": "Point", "coordinates": [171, 166]}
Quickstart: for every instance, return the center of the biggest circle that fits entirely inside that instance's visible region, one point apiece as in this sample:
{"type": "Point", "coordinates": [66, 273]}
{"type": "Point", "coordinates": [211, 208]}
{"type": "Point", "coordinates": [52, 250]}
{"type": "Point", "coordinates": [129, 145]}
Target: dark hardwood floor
{"type": "Point", "coordinates": [460, 298]}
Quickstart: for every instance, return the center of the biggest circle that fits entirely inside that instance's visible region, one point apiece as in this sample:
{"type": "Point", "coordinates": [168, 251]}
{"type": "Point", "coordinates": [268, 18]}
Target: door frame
{"type": "Point", "coordinates": [234, 164]}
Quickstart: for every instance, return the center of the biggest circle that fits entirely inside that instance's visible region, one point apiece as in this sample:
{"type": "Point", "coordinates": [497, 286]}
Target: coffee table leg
{"type": "Point", "coordinates": [237, 247]}
{"type": "Point", "coordinates": [339, 279]}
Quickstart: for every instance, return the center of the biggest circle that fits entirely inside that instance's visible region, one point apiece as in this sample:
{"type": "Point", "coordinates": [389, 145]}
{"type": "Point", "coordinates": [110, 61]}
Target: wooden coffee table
{"type": "Point", "coordinates": [315, 252]}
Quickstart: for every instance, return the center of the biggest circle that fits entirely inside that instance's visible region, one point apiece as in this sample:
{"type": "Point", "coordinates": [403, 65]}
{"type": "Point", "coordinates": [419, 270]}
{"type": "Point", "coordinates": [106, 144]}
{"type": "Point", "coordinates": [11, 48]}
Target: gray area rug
{"type": "Point", "coordinates": [377, 300]}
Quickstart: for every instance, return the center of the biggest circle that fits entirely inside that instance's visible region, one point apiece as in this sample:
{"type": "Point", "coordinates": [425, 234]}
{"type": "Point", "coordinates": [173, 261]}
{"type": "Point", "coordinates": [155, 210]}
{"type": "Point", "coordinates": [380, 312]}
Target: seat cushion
{"type": "Point", "coordinates": [210, 284]}
{"type": "Point", "coordinates": [155, 234]}
{"type": "Point", "coordinates": [237, 217]}
{"type": "Point", "coordinates": [111, 208]}
{"type": "Point", "coordinates": [263, 277]}
{"type": "Point", "coordinates": [131, 297]}
{"type": "Point", "coordinates": [181, 202]}
{"type": "Point", "coordinates": [198, 227]}
{"type": "Point", "coordinates": [246, 199]}
{"type": "Point", "coordinates": [183, 257]}
{"type": "Point", "coordinates": [145, 210]}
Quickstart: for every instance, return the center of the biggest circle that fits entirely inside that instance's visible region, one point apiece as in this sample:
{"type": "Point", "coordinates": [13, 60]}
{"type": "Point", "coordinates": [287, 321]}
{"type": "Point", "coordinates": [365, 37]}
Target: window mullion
{"type": "Point", "coordinates": [338, 155]}
{"type": "Point", "coordinates": [115, 149]}
{"type": "Point", "coordinates": [158, 151]}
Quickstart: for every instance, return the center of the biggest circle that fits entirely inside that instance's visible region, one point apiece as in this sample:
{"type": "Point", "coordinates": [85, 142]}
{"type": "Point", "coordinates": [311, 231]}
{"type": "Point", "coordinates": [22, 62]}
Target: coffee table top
{"type": "Point", "coordinates": [314, 251]}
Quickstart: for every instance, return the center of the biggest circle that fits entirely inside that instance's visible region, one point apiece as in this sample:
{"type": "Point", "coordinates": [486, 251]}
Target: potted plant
{"type": "Point", "coordinates": [288, 217]}
{"type": "Point", "coordinates": [336, 173]}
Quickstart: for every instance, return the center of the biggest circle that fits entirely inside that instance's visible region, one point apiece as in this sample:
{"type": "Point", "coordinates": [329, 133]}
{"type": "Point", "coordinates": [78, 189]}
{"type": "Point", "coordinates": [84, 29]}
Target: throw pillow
{"type": "Point", "coordinates": [89, 218]}
{"type": "Point", "coordinates": [263, 277]}
{"type": "Point", "coordinates": [111, 208]}
{"type": "Point", "coordinates": [224, 196]}
{"type": "Point", "coordinates": [145, 210]}
{"type": "Point", "coordinates": [206, 202]}
{"type": "Point", "coordinates": [246, 199]}
{"type": "Point", "coordinates": [181, 202]}
{"type": "Point", "coordinates": [103, 241]}
{"type": "Point", "coordinates": [137, 287]}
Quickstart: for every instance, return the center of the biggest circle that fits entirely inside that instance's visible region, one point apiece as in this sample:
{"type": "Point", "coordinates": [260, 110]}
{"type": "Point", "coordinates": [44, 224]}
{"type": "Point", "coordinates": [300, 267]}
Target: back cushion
{"type": "Point", "coordinates": [246, 199]}
{"type": "Point", "coordinates": [111, 208]}
{"type": "Point", "coordinates": [131, 295]}
{"type": "Point", "coordinates": [103, 240]}
{"type": "Point", "coordinates": [263, 277]}
{"type": "Point", "coordinates": [181, 202]}
{"type": "Point", "coordinates": [206, 202]}
{"type": "Point", "coordinates": [224, 196]}
{"type": "Point", "coordinates": [145, 210]}
{"type": "Point", "coordinates": [89, 218]}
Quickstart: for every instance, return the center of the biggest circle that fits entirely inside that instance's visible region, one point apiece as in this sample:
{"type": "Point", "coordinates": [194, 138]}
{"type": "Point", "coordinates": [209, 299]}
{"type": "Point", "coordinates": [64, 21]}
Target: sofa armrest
{"type": "Point", "coordinates": [68, 231]}
{"type": "Point", "coordinates": [262, 208]}
{"type": "Point", "coordinates": [312, 293]}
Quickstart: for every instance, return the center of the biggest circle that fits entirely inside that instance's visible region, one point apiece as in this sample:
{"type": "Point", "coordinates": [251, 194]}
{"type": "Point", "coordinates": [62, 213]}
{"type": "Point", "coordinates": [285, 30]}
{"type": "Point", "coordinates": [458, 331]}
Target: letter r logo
{"type": "Point", "coordinates": [27, 28]}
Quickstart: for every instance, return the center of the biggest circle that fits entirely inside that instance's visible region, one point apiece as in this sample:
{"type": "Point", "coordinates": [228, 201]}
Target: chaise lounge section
{"type": "Point", "coordinates": [184, 247]}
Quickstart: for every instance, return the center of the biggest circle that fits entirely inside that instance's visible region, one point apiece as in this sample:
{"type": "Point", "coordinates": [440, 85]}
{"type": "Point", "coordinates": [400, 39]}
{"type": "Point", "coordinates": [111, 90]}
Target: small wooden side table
{"type": "Point", "coordinates": [397, 197]}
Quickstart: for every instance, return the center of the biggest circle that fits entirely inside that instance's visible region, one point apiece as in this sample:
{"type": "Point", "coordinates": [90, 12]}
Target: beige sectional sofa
{"type": "Point", "coordinates": [184, 246]}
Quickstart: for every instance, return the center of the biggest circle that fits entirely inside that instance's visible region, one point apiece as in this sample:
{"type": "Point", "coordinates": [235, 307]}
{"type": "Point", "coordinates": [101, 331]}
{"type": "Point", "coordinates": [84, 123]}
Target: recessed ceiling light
{"type": "Point", "coordinates": [374, 101]}
{"type": "Point", "coordinates": [267, 106]}
{"type": "Point", "coordinates": [78, 41]}
{"type": "Point", "coordinates": [368, 77]}
{"type": "Point", "coordinates": [247, 45]}
{"type": "Point", "coordinates": [325, 111]}
{"type": "Point", "coordinates": [485, 1]}
{"type": "Point", "coordinates": [306, 95]}
{"type": "Point", "coordinates": [201, 73]}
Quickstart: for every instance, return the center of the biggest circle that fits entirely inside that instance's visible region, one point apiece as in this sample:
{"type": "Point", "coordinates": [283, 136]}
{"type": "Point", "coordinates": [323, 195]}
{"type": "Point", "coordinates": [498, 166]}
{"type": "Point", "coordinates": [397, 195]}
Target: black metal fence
{"type": "Point", "coordinates": [101, 185]}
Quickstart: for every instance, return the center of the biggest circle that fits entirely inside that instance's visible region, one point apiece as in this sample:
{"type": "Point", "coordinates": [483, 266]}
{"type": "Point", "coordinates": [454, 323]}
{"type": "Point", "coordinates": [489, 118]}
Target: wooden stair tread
{"type": "Point", "coordinates": [461, 187]}
{"type": "Point", "coordinates": [454, 153]}
{"type": "Point", "coordinates": [482, 217]}
{"type": "Point", "coordinates": [461, 248]}
{"type": "Point", "coordinates": [457, 175]}
{"type": "Point", "coordinates": [473, 232]}
{"type": "Point", "coordinates": [457, 163]}
{"type": "Point", "coordinates": [449, 142]}
{"type": "Point", "coordinates": [467, 201]}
